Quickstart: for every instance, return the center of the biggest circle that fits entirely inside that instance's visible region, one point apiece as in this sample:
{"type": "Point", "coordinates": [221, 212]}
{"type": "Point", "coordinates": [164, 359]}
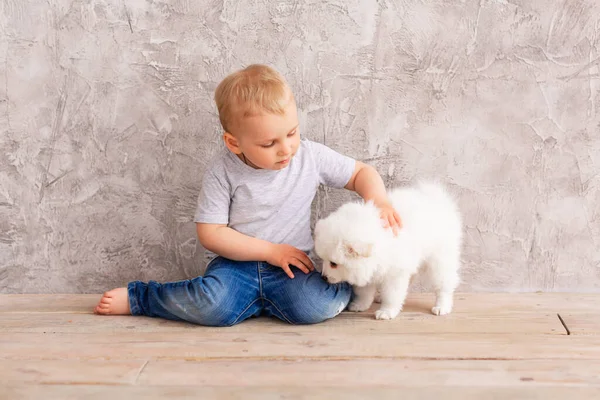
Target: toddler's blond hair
{"type": "Point", "coordinates": [251, 91]}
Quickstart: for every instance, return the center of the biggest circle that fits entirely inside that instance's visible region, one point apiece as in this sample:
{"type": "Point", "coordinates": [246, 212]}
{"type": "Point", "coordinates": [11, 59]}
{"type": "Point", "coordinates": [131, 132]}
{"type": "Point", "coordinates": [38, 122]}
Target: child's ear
{"type": "Point", "coordinates": [355, 250]}
{"type": "Point", "coordinates": [232, 143]}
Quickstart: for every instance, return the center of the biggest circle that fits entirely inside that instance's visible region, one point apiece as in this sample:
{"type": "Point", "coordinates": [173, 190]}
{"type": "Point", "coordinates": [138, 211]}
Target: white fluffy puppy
{"type": "Point", "coordinates": [356, 248]}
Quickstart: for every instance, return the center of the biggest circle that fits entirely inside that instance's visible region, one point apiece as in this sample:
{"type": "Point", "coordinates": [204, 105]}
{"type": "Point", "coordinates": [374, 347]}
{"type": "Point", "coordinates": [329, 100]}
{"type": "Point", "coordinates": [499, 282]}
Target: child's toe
{"type": "Point", "coordinates": [102, 308]}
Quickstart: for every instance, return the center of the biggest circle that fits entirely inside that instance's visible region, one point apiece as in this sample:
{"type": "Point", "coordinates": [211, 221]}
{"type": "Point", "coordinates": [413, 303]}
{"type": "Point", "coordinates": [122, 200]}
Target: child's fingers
{"type": "Point", "coordinates": [385, 221]}
{"type": "Point", "coordinates": [391, 219]}
{"type": "Point", "coordinates": [287, 270]}
{"type": "Point", "coordinates": [398, 219]}
{"type": "Point", "coordinates": [304, 259]}
{"type": "Point", "coordinates": [300, 265]}
{"type": "Point", "coordinates": [392, 224]}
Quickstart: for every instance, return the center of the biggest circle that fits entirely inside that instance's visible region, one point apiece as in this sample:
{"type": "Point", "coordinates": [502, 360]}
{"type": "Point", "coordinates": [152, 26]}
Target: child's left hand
{"type": "Point", "coordinates": [390, 218]}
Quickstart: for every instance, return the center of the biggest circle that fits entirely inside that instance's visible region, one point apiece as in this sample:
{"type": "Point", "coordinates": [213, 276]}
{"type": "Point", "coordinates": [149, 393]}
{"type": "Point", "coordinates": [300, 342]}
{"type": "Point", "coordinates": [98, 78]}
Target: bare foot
{"type": "Point", "coordinates": [114, 302]}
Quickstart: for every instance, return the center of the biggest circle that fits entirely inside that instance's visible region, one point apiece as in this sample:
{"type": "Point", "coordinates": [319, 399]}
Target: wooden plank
{"type": "Point", "coordinates": [51, 303]}
{"type": "Point", "coordinates": [74, 372]}
{"type": "Point", "coordinates": [494, 313]}
{"type": "Point", "coordinates": [201, 345]}
{"type": "Point", "coordinates": [103, 392]}
{"type": "Point", "coordinates": [361, 373]}
{"type": "Point", "coordinates": [416, 302]}
{"type": "Point", "coordinates": [357, 373]}
{"type": "Point", "coordinates": [406, 322]}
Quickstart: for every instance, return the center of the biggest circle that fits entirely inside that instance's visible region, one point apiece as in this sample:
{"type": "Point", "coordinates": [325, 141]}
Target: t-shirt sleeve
{"type": "Point", "coordinates": [214, 199]}
{"type": "Point", "coordinates": [335, 169]}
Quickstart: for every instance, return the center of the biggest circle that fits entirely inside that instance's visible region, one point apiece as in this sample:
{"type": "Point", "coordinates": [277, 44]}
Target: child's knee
{"type": "Point", "coordinates": [324, 308]}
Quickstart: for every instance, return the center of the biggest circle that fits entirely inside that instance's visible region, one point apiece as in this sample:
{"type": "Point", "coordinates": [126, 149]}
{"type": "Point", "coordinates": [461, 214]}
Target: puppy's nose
{"type": "Point", "coordinates": [324, 278]}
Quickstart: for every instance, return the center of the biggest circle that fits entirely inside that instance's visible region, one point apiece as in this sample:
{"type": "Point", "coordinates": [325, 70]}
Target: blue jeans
{"type": "Point", "coordinates": [232, 291]}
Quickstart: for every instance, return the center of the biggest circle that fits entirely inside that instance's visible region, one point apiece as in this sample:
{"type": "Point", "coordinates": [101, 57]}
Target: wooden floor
{"type": "Point", "coordinates": [499, 346]}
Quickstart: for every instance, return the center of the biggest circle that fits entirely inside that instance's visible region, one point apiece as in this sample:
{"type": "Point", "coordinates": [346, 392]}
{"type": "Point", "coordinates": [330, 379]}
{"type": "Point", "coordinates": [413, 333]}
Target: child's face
{"type": "Point", "coordinates": [266, 141]}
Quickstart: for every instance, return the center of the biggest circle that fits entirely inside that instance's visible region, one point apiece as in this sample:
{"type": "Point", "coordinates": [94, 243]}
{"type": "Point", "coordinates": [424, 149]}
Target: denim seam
{"type": "Point", "coordinates": [260, 288]}
{"type": "Point", "coordinates": [280, 312]}
{"type": "Point", "coordinates": [265, 299]}
{"type": "Point", "coordinates": [242, 313]}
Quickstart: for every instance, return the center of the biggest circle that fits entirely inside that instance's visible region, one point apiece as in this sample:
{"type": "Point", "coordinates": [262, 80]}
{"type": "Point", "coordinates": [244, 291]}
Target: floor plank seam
{"type": "Point", "coordinates": [300, 359]}
{"type": "Point", "coordinates": [47, 312]}
{"type": "Point", "coordinates": [333, 358]}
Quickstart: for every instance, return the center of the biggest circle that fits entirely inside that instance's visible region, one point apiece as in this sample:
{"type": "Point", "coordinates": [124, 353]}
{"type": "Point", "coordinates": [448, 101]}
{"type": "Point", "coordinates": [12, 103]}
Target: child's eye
{"type": "Point", "coordinates": [291, 134]}
{"type": "Point", "coordinates": [267, 145]}
{"type": "Point", "coordinates": [332, 264]}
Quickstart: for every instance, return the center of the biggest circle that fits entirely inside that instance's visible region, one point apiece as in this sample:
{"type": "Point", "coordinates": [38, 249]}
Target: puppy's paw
{"type": "Point", "coordinates": [441, 310]}
{"type": "Point", "coordinates": [386, 314]}
{"type": "Point", "coordinates": [357, 306]}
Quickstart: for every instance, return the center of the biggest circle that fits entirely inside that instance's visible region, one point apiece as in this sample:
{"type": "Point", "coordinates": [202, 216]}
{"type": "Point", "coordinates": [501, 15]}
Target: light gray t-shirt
{"type": "Point", "coordinates": [266, 204]}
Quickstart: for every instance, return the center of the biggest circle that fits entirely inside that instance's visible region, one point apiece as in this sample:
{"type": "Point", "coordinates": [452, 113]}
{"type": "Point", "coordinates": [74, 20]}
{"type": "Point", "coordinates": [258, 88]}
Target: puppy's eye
{"type": "Point", "coordinates": [332, 264]}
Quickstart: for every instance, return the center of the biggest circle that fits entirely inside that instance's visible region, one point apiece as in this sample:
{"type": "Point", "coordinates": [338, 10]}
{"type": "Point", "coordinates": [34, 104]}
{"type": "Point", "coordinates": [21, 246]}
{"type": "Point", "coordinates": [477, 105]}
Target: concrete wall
{"type": "Point", "coordinates": [107, 122]}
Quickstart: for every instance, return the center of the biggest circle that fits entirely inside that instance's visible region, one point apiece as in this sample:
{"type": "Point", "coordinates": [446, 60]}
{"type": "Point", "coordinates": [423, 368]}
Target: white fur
{"type": "Point", "coordinates": [371, 258]}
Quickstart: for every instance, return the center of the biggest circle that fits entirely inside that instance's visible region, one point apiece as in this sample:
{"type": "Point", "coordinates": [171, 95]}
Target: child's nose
{"type": "Point", "coordinates": [286, 148]}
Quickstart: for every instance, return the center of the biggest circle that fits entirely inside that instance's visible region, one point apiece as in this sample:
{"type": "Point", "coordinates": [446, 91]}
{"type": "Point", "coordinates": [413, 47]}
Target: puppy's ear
{"type": "Point", "coordinates": [355, 250]}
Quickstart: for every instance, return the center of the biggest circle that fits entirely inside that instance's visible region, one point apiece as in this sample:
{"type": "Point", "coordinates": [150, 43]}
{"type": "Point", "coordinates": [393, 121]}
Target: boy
{"type": "Point", "coordinates": [253, 215]}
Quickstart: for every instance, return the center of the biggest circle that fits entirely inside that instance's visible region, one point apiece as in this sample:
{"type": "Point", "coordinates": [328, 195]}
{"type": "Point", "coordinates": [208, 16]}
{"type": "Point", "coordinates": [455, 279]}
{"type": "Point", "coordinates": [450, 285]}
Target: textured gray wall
{"type": "Point", "coordinates": [107, 122]}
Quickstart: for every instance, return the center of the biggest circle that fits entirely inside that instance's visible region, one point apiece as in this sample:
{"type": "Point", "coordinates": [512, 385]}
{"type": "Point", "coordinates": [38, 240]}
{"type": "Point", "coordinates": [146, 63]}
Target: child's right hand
{"type": "Point", "coordinates": [284, 255]}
